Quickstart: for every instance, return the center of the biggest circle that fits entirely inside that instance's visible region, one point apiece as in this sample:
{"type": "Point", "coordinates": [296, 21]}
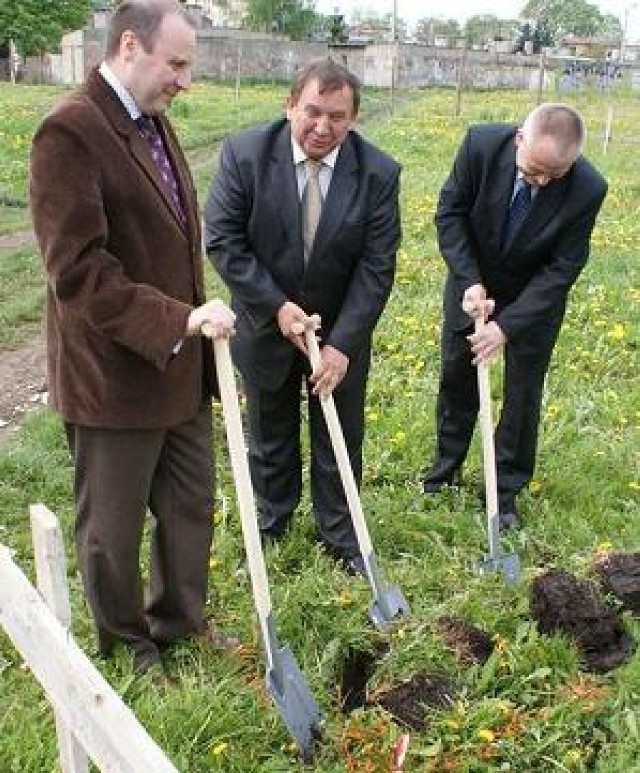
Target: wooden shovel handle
{"type": "Point", "coordinates": [241, 476]}
{"type": "Point", "coordinates": [341, 454]}
{"type": "Point", "coordinates": [486, 428]}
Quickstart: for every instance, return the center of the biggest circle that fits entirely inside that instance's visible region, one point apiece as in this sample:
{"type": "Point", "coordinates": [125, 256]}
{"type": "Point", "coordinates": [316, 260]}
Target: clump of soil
{"type": "Point", "coordinates": [411, 702]}
{"type": "Point", "coordinates": [620, 574]}
{"type": "Point", "coordinates": [358, 667]}
{"type": "Point", "coordinates": [468, 643]}
{"type": "Point", "coordinates": [562, 603]}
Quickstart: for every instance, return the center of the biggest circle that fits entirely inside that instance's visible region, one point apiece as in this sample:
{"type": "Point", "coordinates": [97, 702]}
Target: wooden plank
{"type": "Point", "coordinates": [89, 707]}
{"type": "Point", "coordinates": [51, 574]}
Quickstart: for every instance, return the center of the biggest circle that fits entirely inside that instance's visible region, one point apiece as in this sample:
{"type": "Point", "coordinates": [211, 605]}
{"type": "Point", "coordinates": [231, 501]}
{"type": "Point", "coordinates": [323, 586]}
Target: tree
{"type": "Point", "coordinates": [537, 35]}
{"type": "Point", "coordinates": [566, 17]}
{"type": "Point", "coordinates": [479, 30]}
{"type": "Point", "coordinates": [337, 29]}
{"type": "Point", "coordinates": [431, 27]}
{"type": "Point", "coordinates": [295, 18]}
{"type": "Point", "coordinates": [37, 26]}
{"type": "Point", "coordinates": [611, 26]}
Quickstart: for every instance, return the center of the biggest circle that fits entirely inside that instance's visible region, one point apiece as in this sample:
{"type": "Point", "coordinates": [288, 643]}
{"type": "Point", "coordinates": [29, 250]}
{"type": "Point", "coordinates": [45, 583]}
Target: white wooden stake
{"type": "Point", "coordinates": [607, 131]}
{"type": "Point", "coordinates": [91, 710]}
{"type": "Point", "coordinates": [51, 574]}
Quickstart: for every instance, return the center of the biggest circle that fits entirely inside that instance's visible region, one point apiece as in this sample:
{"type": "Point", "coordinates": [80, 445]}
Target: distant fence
{"type": "Point", "coordinates": [91, 719]}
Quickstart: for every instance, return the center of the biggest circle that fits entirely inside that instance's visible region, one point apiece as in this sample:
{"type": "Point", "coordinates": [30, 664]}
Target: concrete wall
{"type": "Point", "coordinates": [423, 66]}
{"type": "Point", "coordinates": [252, 57]}
{"type": "Point", "coordinates": [229, 54]}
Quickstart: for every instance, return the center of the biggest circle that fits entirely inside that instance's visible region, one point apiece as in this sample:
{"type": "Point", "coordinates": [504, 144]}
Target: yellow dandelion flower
{"type": "Point", "coordinates": [486, 735]}
{"type": "Point", "coordinates": [617, 332]}
{"type": "Point", "coordinates": [535, 486]}
{"type": "Point", "coordinates": [502, 645]}
{"type": "Point", "coordinates": [219, 748]}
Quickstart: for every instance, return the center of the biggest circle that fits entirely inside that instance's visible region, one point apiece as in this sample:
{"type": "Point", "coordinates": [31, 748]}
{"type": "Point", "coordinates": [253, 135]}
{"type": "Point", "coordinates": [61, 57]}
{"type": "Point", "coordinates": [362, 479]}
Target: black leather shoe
{"type": "Point", "coordinates": [355, 566]}
{"type": "Point", "coordinates": [436, 483]}
{"type": "Point", "coordinates": [508, 513]}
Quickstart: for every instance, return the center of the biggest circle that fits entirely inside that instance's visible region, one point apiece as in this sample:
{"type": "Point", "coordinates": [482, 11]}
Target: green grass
{"type": "Point", "coordinates": [203, 116]}
{"type": "Point", "coordinates": [529, 708]}
{"type": "Point", "coordinates": [22, 295]}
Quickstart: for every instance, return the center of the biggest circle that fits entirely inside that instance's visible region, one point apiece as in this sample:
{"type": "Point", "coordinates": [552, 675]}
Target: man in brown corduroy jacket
{"type": "Point", "coordinates": [115, 213]}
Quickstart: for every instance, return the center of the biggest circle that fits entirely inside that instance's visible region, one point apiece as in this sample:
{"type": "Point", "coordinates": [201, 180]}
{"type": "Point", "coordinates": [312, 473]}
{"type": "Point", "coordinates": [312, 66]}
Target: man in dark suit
{"type": "Point", "coordinates": [514, 223]}
{"type": "Point", "coordinates": [274, 181]}
{"type": "Point", "coordinates": [115, 213]}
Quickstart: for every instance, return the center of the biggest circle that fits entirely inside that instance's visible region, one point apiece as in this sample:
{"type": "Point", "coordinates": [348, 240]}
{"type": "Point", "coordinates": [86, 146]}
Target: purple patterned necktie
{"type": "Point", "coordinates": [149, 131]}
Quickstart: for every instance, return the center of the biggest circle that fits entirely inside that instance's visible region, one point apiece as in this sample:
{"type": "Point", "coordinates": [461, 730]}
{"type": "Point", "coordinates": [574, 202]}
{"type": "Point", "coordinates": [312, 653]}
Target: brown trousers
{"type": "Point", "coordinates": [119, 474]}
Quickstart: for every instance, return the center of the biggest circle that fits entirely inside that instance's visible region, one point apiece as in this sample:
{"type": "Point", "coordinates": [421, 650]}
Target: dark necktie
{"type": "Point", "coordinates": [311, 205]}
{"type": "Point", "coordinates": [149, 131]}
{"type": "Point", "coordinates": [518, 210]}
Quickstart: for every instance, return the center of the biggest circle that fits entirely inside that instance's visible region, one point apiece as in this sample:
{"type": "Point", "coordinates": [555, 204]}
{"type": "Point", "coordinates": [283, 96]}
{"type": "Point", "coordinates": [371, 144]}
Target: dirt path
{"type": "Point", "coordinates": [14, 241]}
{"type": "Point", "coordinates": [22, 387]}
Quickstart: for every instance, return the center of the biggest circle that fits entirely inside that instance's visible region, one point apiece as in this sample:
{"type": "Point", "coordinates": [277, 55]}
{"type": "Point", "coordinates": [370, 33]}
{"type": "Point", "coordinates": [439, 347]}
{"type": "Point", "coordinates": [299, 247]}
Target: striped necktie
{"type": "Point", "coordinates": [311, 205]}
{"type": "Point", "coordinates": [518, 210]}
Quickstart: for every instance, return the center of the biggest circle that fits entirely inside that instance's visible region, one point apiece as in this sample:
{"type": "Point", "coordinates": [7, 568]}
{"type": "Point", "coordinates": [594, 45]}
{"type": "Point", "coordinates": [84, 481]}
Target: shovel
{"type": "Point", "coordinates": [388, 602]}
{"type": "Point", "coordinates": [285, 682]}
{"type": "Point", "coordinates": [507, 564]}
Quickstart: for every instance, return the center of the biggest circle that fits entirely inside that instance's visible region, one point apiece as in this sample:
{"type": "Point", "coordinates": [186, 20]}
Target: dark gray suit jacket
{"type": "Point", "coordinates": [254, 238]}
{"type": "Point", "coordinates": [530, 275]}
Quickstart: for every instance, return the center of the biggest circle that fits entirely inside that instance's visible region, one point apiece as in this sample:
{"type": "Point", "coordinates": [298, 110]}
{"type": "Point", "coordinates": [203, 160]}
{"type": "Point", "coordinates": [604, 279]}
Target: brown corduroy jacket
{"type": "Point", "coordinates": [122, 271]}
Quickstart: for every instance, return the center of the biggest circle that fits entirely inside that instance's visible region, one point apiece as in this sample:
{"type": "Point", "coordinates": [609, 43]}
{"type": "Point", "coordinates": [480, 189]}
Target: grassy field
{"type": "Point", "coordinates": [530, 707]}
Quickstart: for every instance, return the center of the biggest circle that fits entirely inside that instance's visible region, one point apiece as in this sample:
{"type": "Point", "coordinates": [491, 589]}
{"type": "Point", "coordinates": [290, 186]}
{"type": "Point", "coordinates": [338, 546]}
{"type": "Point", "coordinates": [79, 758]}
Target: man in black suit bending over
{"type": "Point", "coordinates": [514, 223]}
{"type": "Point", "coordinates": [303, 218]}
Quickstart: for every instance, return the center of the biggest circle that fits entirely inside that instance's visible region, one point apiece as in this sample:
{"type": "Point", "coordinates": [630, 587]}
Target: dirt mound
{"type": "Point", "coordinates": [562, 603]}
{"type": "Point", "coordinates": [411, 702]}
{"type": "Point", "coordinates": [468, 643]}
{"type": "Point", "coordinates": [620, 574]}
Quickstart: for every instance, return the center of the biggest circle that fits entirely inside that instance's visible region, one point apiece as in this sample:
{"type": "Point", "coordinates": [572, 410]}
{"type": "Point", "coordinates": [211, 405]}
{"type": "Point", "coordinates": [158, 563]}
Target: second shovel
{"type": "Point", "coordinates": [388, 604]}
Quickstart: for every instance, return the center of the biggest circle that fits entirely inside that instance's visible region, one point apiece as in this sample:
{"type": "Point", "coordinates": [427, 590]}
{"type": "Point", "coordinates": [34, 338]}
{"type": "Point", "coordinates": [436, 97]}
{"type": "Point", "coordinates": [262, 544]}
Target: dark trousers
{"type": "Point", "coordinates": [275, 456]}
{"type": "Point", "coordinates": [118, 475]}
{"type": "Point", "coordinates": [526, 360]}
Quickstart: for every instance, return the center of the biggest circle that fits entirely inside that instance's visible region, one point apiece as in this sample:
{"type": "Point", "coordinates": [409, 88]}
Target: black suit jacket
{"type": "Point", "coordinates": [530, 275]}
{"type": "Point", "coordinates": [254, 237]}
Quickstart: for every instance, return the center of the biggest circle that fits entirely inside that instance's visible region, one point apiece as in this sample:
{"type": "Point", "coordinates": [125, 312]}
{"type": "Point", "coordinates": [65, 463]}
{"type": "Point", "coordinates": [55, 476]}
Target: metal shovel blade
{"type": "Point", "coordinates": [389, 602]}
{"type": "Point", "coordinates": [495, 561]}
{"type": "Point", "coordinates": [388, 607]}
{"type": "Point", "coordinates": [506, 564]}
{"type": "Point", "coordinates": [296, 704]}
